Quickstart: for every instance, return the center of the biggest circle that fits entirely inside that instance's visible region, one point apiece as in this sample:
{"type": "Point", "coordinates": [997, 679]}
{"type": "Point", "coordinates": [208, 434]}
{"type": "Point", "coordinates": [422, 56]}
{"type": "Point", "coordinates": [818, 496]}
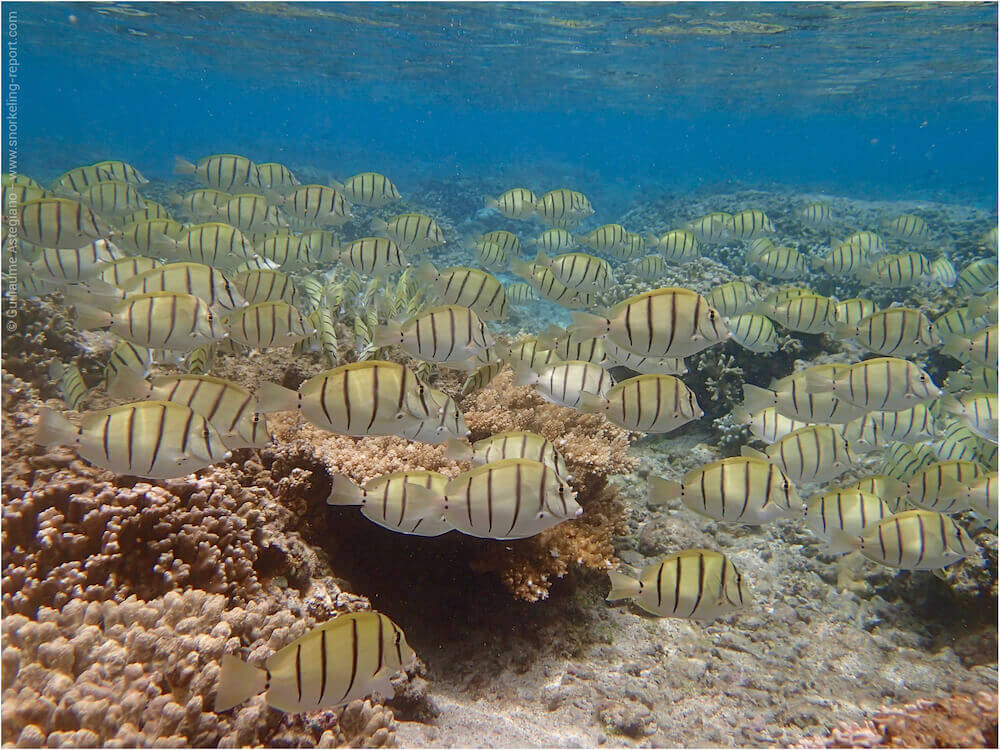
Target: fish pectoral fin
{"type": "Point", "coordinates": [941, 573]}
{"type": "Point", "coordinates": [380, 684]}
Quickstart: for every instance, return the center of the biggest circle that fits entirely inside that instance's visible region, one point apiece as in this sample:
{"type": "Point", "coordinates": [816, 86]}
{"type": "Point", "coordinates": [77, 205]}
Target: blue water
{"type": "Point", "coordinates": [873, 101]}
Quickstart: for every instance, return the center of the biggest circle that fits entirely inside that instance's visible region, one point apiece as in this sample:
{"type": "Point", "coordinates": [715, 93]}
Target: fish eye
{"type": "Point", "coordinates": [923, 378]}
{"type": "Point", "coordinates": [206, 433]}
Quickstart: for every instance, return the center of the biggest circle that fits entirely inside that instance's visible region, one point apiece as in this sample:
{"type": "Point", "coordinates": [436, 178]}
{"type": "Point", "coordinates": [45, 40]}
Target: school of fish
{"type": "Point", "coordinates": [255, 260]}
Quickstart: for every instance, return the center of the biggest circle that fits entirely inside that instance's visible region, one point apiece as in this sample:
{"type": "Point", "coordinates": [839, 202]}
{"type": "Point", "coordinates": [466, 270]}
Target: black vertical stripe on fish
{"type": "Point", "coordinates": [354, 659]}
{"type": "Point", "coordinates": [298, 670]}
{"type": "Point", "coordinates": [381, 645]}
{"type": "Point", "coordinates": [517, 498]}
{"type": "Point", "coordinates": [489, 500]}
{"type": "Point", "coordinates": [746, 488]}
{"type": "Point", "coordinates": [106, 437]}
{"type": "Point", "coordinates": [322, 656]}
{"type": "Point", "coordinates": [161, 426]}
{"type": "Point", "coordinates": [659, 586]}
{"type": "Point", "coordinates": [701, 581]}
{"type": "Point", "coordinates": [704, 495]}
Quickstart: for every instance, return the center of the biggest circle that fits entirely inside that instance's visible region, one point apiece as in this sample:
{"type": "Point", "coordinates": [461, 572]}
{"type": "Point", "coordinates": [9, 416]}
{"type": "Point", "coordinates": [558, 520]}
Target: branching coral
{"type": "Point", "coordinates": [960, 721]}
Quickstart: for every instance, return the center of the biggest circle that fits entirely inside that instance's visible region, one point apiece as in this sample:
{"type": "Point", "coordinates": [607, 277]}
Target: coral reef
{"type": "Point", "coordinates": [959, 721]}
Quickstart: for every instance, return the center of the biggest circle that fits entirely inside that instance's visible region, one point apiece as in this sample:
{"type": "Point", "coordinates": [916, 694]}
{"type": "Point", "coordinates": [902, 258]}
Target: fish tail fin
{"type": "Point", "coordinates": [519, 268]}
{"type": "Point", "coordinates": [591, 403]}
{"type": "Point", "coordinates": [588, 326]}
{"type": "Point", "coordinates": [379, 225]}
{"type": "Point", "coordinates": [389, 334]}
{"type": "Point", "coordinates": [129, 385]}
{"type": "Point", "coordinates": [337, 185]}
{"type": "Point", "coordinates": [90, 318]}
{"type": "Point", "coordinates": [741, 415]}
{"type": "Point", "coordinates": [542, 259]}
{"type": "Point", "coordinates": [523, 374]}
{"type": "Point", "coordinates": [183, 166]}
{"type": "Point", "coordinates": [456, 450]}
{"type": "Point", "coordinates": [757, 399]}
{"type": "Point", "coordinates": [622, 587]}
{"type": "Point", "coordinates": [427, 272]}
{"type": "Point", "coordinates": [490, 202]}
{"type": "Point", "coordinates": [661, 490]}
{"type": "Point", "coordinates": [978, 307]}
{"type": "Point", "coordinates": [238, 681]}
{"type": "Point", "coordinates": [841, 543]}
{"type": "Point", "coordinates": [345, 492]}
{"type": "Point", "coordinates": [273, 397]}
{"type": "Point", "coordinates": [53, 428]}
{"type": "Point", "coordinates": [652, 240]}
{"type": "Point", "coordinates": [954, 346]}
{"type": "Point", "coordinates": [747, 452]}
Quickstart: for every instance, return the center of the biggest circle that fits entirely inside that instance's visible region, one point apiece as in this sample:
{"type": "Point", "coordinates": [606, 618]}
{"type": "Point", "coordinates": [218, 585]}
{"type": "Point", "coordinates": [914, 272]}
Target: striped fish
{"type": "Point", "coordinates": [782, 296]}
{"type": "Point", "coordinates": [521, 293]}
{"type": "Point", "coordinates": [714, 228]}
{"type": "Point", "coordinates": [72, 389]}
{"type": "Point", "coordinates": [323, 246]}
{"type": "Point", "coordinates": [153, 210]}
{"type": "Point", "coordinates": [266, 285]}
{"type": "Point", "coordinates": [312, 290]}
{"type": "Point", "coordinates": [288, 251]}
{"type": "Point", "coordinates": [942, 486]}
{"type": "Point", "coordinates": [816, 214]}
{"type": "Point", "coordinates": [754, 332]}
{"type": "Point", "coordinates": [607, 238]}
{"type": "Point", "coordinates": [449, 334]}
{"type": "Point", "coordinates": [898, 331]}
{"type": "Point", "coordinates": [909, 227]}
{"type": "Point", "coordinates": [980, 349]}
{"type": "Point", "coordinates": [751, 223]}
{"type": "Point", "coordinates": [793, 400]}
{"type": "Point", "coordinates": [201, 204]}
{"type": "Point", "coordinates": [870, 243]}
{"type": "Point", "coordinates": [363, 398]}
{"type": "Point", "coordinates": [579, 271]}
{"type": "Point", "coordinates": [677, 246]}
{"type": "Point", "coordinates": [650, 268]}
{"type": "Point", "coordinates": [197, 279]}
{"type": "Point", "coordinates": [412, 232]}
{"type": "Point", "coordinates": [564, 382]}
{"type": "Point", "coordinates": [481, 378]}
{"type": "Point", "coordinates": [158, 320]}
{"type": "Point", "coordinates": [199, 361]}
{"type": "Point", "coordinates": [943, 272]}
{"type": "Point", "coordinates": [903, 461]}
{"type": "Point", "coordinates": [516, 203]}
{"type": "Point", "coordinates": [817, 453]}
{"type": "Point", "coordinates": [568, 346]}
{"type": "Point", "coordinates": [957, 443]}
{"type": "Point", "coordinates": [492, 256]}
{"type": "Point", "coordinates": [807, 313]}
{"type": "Point", "coordinates": [387, 501]}
{"type": "Point", "coordinates": [668, 322]}
{"type": "Point", "coordinates": [960, 321]}
{"type": "Point", "coordinates": [780, 262]}
{"type": "Point", "coordinates": [60, 223]}
{"type": "Point", "coordinates": [915, 540]}
{"type": "Point", "coordinates": [532, 354]}
{"type": "Point", "coordinates": [614, 354]}
{"type": "Point", "coordinates": [978, 276]}
{"type": "Point", "coordinates": [368, 189]}
{"type": "Point", "coordinates": [77, 264]}
{"type": "Point", "coordinates": [342, 660]}
{"type": "Point", "coordinates": [850, 312]}
{"type": "Point", "coordinates": [316, 203]}
{"type": "Point", "coordinates": [325, 339]}
{"type": "Point", "coordinates": [250, 213]}
{"type": "Point", "coordinates": [10, 179]}
{"type": "Point", "coordinates": [507, 241]}
{"type": "Point", "coordinates": [554, 241]}
{"type": "Point", "coordinates": [647, 403]}
{"type": "Point", "coordinates": [150, 236]}
{"type": "Point", "coordinates": [880, 485]}
{"type": "Point", "coordinates": [77, 180]}
{"type": "Point", "coordinates": [880, 384]}
{"type": "Point", "coordinates": [375, 256]}
{"type": "Point", "coordinates": [843, 259]}
{"type": "Point", "coordinates": [733, 298]}
{"type": "Point", "coordinates": [214, 244]}
{"type": "Point", "coordinates": [563, 208]}
{"type": "Point", "coordinates": [844, 512]}
{"type": "Point", "coordinates": [877, 429]}
{"type": "Point", "coordinates": [635, 245]}
{"type": "Point", "coordinates": [222, 172]}
{"type": "Point", "coordinates": [267, 324]}
{"type": "Point", "coordinates": [150, 439]}
{"type": "Point", "coordinates": [549, 287]}
{"type": "Point", "coordinates": [228, 407]}
{"type": "Point", "coordinates": [696, 584]}
{"type": "Point", "coordinates": [977, 411]}
{"type": "Point", "coordinates": [438, 417]}
{"type": "Point", "coordinates": [127, 355]}
{"type": "Point", "coordinates": [739, 489]}
{"type": "Point", "coordinates": [768, 424]}
{"type": "Point", "coordinates": [15, 195]}
{"type": "Point", "coordinates": [514, 444]}
{"type": "Point", "coordinates": [510, 499]}
{"type": "Point", "coordinates": [897, 271]}
{"type": "Point", "coordinates": [276, 178]}
{"type": "Point", "coordinates": [113, 198]}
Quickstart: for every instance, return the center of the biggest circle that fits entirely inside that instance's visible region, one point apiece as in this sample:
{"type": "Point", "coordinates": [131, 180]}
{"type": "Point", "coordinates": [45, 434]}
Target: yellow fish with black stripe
{"type": "Point", "coordinates": [387, 501]}
{"type": "Point", "coordinates": [646, 403]}
{"type": "Point", "coordinates": [268, 324]}
{"type": "Point", "coordinates": [60, 223]}
{"type": "Point", "coordinates": [222, 172]}
{"type": "Point", "coordinates": [342, 660]}
{"type": "Point", "coordinates": [412, 232]}
{"type": "Point", "coordinates": [898, 331]}
{"type": "Point", "coordinates": [677, 246]}
{"type": "Point", "coordinates": [516, 203]}
{"type": "Point", "coordinates": [913, 540]}
{"type": "Point", "coordinates": [158, 320]}
{"type": "Point", "coordinates": [150, 439]}
{"type": "Point", "coordinates": [817, 453]}
{"type": "Point", "coordinates": [370, 189]}
{"type": "Point", "coordinates": [697, 584]}
{"type": "Point", "coordinates": [449, 334]}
